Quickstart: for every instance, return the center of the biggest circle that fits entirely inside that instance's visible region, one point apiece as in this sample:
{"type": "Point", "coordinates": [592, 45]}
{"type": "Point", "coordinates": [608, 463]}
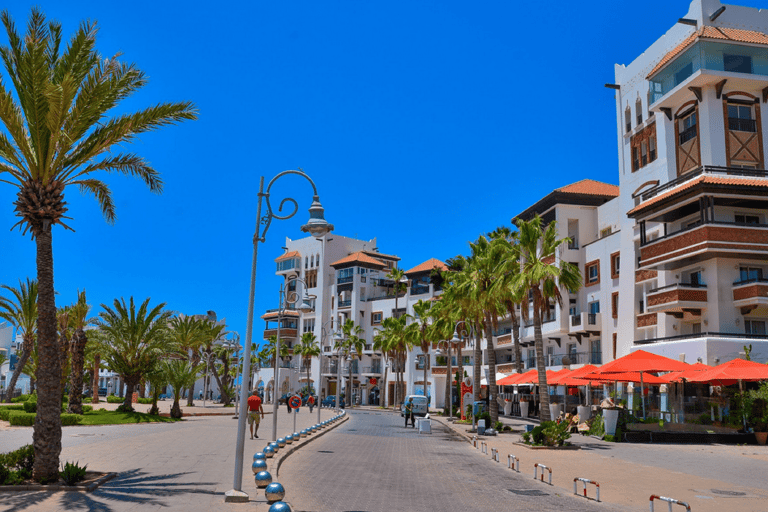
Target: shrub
{"type": "Point", "coordinates": [596, 426]}
{"type": "Point", "coordinates": [22, 419]}
{"type": "Point", "coordinates": [4, 474]}
{"type": "Point", "coordinates": [112, 399]}
{"type": "Point", "coordinates": [72, 473]}
{"type": "Point", "coordinates": [31, 404]}
{"type": "Point", "coordinates": [145, 400]}
{"type": "Point", "coordinates": [87, 408]}
{"type": "Point", "coordinates": [20, 398]}
{"type": "Point", "coordinates": [18, 463]}
{"type": "Point", "coordinates": [498, 427]}
{"type": "Point", "coordinates": [70, 419]}
{"type": "Point", "coordinates": [5, 410]}
{"type": "Point", "coordinates": [548, 433]}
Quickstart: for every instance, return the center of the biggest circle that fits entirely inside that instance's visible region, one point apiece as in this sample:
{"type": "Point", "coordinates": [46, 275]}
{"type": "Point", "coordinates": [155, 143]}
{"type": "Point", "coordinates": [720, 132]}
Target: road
{"type": "Point", "coordinates": [372, 464]}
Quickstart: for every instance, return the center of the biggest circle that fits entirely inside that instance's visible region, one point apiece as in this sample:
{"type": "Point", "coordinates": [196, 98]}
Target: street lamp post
{"type": "Point", "coordinates": [450, 344]}
{"type": "Point", "coordinates": [316, 226]}
{"type": "Point", "coordinates": [323, 335]}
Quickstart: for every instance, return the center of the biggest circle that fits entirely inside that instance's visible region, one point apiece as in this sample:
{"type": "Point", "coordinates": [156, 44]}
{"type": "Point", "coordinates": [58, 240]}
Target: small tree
{"type": "Point", "coordinates": [179, 373]}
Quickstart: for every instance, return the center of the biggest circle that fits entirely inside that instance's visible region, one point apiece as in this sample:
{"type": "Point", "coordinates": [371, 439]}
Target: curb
{"type": "Point", "coordinates": [282, 455]}
{"type": "Point", "coordinates": [55, 488]}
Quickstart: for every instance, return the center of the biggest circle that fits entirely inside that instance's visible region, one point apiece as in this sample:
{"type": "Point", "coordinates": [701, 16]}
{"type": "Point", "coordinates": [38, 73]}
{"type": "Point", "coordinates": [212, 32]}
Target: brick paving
{"type": "Point", "coordinates": [371, 463]}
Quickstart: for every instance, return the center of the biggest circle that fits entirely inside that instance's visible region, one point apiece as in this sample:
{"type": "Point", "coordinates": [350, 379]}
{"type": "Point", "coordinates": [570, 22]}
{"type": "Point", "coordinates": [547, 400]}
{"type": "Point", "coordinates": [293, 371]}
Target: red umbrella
{"type": "Point", "coordinates": [564, 378]}
{"type": "Point", "coordinates": [513, 379]}
{"type": "Point", "coordinates": [642, 361]}
{"type": "Point", "coordinates": [532, 377]}
{"type": "Point", "coordinates": [642, 377]}
{"type": "Point", "coordinates": [732, 372]}
{"type": "Point", "coordinates": [693, 370]}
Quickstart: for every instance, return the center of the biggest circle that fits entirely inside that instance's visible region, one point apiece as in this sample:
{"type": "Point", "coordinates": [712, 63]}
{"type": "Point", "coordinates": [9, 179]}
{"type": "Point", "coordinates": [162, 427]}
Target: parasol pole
{"type": "Point", "coordinates": [642, 393]}
{"type": "Point", "coordinates": [743, 413]}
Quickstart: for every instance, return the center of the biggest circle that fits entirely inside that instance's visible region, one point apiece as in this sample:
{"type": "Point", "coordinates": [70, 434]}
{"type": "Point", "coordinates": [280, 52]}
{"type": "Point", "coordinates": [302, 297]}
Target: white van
{"type": "Point", "coordinates": [420, 405]}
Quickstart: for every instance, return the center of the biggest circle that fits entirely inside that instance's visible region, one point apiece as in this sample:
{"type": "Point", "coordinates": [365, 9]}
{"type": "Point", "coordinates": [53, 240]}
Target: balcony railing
{"type": "Point", "coordinates": [708, 170]}
{"type": "Point", "coordinates": [675, 286]}
{"type": "Point", "coordinates": [419, 290]}
{"type": "Point", "coordinates": [376, 369]}
{"type": "Point", "coordinates": [345, 303]}
{"type": "Point", "coordinates": [753, 280]}
{"type": "Point", "coordinates": [742, 125]}
{"type": "Point", "coordinates": [703, 335]}
{"type": "Point", "coordinates": [687, 134]}
{"type": "Point", "coordinates": [545, 320]}
{"type": "Point", "coordinates": [343, 280]}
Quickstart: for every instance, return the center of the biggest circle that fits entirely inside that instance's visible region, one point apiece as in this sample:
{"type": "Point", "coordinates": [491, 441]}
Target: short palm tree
{"type": "Point", "coordinates": [21, 312]}
{"type": "Point", "coordinates": [136, 338]}
{"type": "Point", "coordinates": [190, 335]}
{"type": "Point", "coordinates": [540, 274]}
{"type": "Point", "coordinates": [58, 134]}
{"type": "Point", "coordinates": [397, 275]}
{"type": "Point", "coordinates": [422, 322]}
{"type": "Point", "coordinates": [352, 344]}
{"type": "Point", "coordinates": [79, 320]}
{"type": "Point", "coordinates": [179, 373]}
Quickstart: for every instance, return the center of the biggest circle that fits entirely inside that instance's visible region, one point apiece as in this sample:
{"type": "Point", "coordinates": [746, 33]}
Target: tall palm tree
{"type": "Point", "coordinates": [58, 134]}
{"type": "Point", "coordinates": [307, 348]}
{"type": "Point", "coordinates": [136, 338]}
{"type": "Point", "coordinates": [21, 312]}
{"type": "Point", "coordinates": [510, 295]}
{"type": "Point", "coordinates": [396, 275]}
{"type": "Point", "coordinates": [540, 274]}
{"type": "Point", "coordinates": [422, 322]}
{"type": "Point", "coordinates": [350, 340]}
{"type": "Point", "coordinates": [400, 338]}
{"type": "Point", "coordinates": [222, 370]}
{"type": "Point", "coordinates": [79, 320]}
{"type": "Point", "coordinates": [189, 334]}
{"type": "Point", "coordinates": [383, 344]}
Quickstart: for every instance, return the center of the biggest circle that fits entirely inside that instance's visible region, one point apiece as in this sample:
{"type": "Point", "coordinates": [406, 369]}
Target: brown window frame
{"type": "Point", "coordinates": [614, 267]}
{"type": "Point", "coordinates": [615, 304]}
{"type": "Point", "coordinates": [373, 317]}
{"type": "Point", "coordinates": [587, 266]}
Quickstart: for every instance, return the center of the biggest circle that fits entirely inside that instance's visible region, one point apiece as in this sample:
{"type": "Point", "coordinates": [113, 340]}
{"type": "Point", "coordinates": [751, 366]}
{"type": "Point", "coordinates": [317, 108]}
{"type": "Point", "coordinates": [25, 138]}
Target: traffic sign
{"type": "Point", "coordinates": [294, 402]}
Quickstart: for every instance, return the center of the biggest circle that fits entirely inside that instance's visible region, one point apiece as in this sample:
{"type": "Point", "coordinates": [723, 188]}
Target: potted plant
{"type": "Point", "coordinates": [757, 411]}
{"type": "Point", "coordinates": [523, 407]}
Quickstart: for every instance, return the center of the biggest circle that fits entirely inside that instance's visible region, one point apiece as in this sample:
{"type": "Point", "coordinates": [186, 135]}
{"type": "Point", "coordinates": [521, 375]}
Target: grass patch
{"type": "Point", "coordinates": [104, 417]}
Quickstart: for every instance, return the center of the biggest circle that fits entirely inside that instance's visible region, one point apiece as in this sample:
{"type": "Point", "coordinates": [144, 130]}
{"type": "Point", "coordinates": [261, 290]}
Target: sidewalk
{"type": "Point", "coordinates": [710, 478]}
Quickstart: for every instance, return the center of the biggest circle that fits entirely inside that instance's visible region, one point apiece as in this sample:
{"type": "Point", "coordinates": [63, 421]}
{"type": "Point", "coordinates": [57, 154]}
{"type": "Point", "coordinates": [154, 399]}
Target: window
{"type": "Point", "coordinates": [572, 351]}
{"type": "Point", "coordinates": [614, 345]}
{"type": "Point", "coordinates": [594, 307]}
{"type": "Point", "coordinates": [747, 219]}
{"type": "Point", "coordinates": [615, 264]}
{"type": "Point", "coordinates": [627, 120]}
{"type": "Point", "coordinates": [740, 118]}
{"type": "Point", "coordinates": [684, 73]}
{"type": "Point", "coordinates": [651, 149]}
{"type": "Point", "coordinates": [592, 273]}
{"type": "Point", "coordinates": [596, 352]}
{"type": "Point", "coordinates": [639, 112]}
{"type": "Point", "coordinates": [696, 328]}
{"type": "Point", "coordinates": [308, 325]}
{"type": "Point", "coordinates": [750, 274]}
{"type": "Point", "coordinates": [737, 63]}
{"type": "Point", "coordinates": [641, 307]}
{"type": "Point", "coordinates": [694, 278]}
{"type": "Point", "coordinates": [687, 127]}
{"type": "Point", "coordinates": [754, 327]}
{"type": "Point", "coordinates": [643, 154]}
{"type": "Point", "coordinates": [643, 146]}
{"type": "Point", "coordinates": [635, 159]}
{"type": "Point", "coordinates": [312, 261]}
{"type": "Point", "coordinates": [376, 317]}
{"type": "Point", "coordinates": [615, 304]}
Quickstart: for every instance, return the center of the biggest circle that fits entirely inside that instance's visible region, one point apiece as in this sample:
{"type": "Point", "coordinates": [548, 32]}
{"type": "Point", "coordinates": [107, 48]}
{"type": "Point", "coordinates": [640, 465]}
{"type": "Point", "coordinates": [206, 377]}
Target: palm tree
{"type": "Point", "coordinates": [58, 134]}
{"type": "Point", "coordinates": [136, 338]}
{"type": "Point", "coordinates": [396, 275]}
{"type": "Point", "coordinates": [510, 295]}
{"type": "Point", "coordinates": [79, 320]}
{"type": "Point", "coordinates": [422, 315]}
{"type": "Point", "coordinates": [222, 370]}
{"type": "Point", "coordinates": [540, 274]}
{"type": "Point", "coordinates": [189, 334]}
{"type": "Point", "coordinates": [400, 338]}
{"type": "Point", "coordinates": [382, 344]}
{"type": "Point", "coordinates": [307, 348]}
{"type": "Point", "coordinates": [22, 314]}
{"type": "Point", "coordinates": [179, 373]}
{"type": "Point", "coordinates": [352, 343]}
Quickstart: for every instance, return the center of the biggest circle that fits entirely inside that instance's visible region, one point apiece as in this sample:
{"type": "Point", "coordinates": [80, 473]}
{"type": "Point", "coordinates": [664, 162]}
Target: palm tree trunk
{"type": "Point", "coordinates": [130, 387]}
{"type": "Point", "coordinates": [426, 360]}
{"type": "Point", "coordinates": [476, 367]}
{"type": "Point", "coordinates": [222, 382]}
{"type": "Point", "coordinates": [541, 368]}
{"type": "Point", "coordinates": [25, 353]}
{"type": "Point", "coordinates": [176, 407]}
{"type": "Point", "coordinates": [190, 395]}
{"type": "Point", "coordinates": [383, 396]}
{"type": "Point", "coordinates": [47, 431]}
{"type": "Point", "coordinates": [79, 341]}
{"type": "Point", "coordinates": [95, 381]}
{"type": "Point", "coordinates": [460, 370]}
{"type": "Point", "coordinates": [516, 337]}
{"type": "Point", "coordinates": [448, 384]}
{"type": "Point", "coordinates": [493, 390]}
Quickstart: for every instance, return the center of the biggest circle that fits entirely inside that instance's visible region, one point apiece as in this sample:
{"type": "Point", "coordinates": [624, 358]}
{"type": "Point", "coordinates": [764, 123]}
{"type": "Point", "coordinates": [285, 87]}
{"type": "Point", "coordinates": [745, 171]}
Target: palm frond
{"type": "Point", "coordinates": [103, 195]}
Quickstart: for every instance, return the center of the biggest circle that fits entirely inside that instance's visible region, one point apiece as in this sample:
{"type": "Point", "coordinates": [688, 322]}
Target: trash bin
{"type": "Point", "coordinates": [478, 408]}
{"type": "Point", "coordinates": [507, 408]}
{"type": "Point", "coordinates": [481, 427]}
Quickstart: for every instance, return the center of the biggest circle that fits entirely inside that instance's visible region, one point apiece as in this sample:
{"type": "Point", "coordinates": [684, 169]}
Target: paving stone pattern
{"type": "Point", "coordinates": [372, 464]}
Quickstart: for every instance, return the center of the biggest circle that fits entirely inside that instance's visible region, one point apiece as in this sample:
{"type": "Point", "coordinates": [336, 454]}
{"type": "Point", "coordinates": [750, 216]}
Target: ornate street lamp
{"type": "Point", "coordinates": [318, 227]}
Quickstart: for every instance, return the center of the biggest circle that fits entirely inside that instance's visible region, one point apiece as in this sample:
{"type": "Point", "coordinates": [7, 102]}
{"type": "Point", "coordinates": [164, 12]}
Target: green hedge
{"type": "Point", "coordinates": [112, 399]}
{"type": "Point", "coordinates": [145, 400]}
{"type": "Point", "coordinates": [20, 398]}
{"type": "Point", "coordinates": [22, 419]}
{"type": "Point", "coordinates": [6, 410]}
{"type": "Point", "coordinates": [70, 419]}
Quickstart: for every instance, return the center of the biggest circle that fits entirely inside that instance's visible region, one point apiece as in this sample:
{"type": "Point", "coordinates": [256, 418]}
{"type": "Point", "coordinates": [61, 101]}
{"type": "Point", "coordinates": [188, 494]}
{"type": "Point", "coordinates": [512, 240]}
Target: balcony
{"type": "Point", "coordinates": [372, 370]}
{"type": "Point", "coordinates": [345, 304]}
{"type": "Point", "coordinates": [677, 299]}
{"type": "Point", "coordinates": [285, 333]}
{"type": "Point", "coordinates": [707, 63]}
{"type": "Point", "coordinates": [750, 293]}
{"type": "Point", "coordinates": [645, 275]}
{"type": "Point", "coordinates": [573, 358]}
{"type": "Point", "coordinates": [419, 289]}
{"type": "Point", "coordinates": [708, 337]}
{"type": "Point", "coordinates": [705, 241]}
{"type": "Point", "coordinates": [585, 322]}
{"type": "Point", "coordinates": [503, 340]}
{"type": "Point", "coordinates": [647, 320]}
{"type": "Point", "coordinates": [344, 280]}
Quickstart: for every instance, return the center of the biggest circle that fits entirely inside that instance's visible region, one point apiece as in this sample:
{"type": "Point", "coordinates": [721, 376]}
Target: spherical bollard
{"type": "Point", "coordinates": [296, 436]}
{"type": "Point", "coordinates": [279, 506]}
{"type": "Point", "coordinates": [289, 439]}
{"type": "Point", "coordinates": [263, 479]}
{"type": "Point", "coordinates": [259, 455]}
{"type": "Point", "coordinates": [269, 451]}
{"type": "Point", "coordinates": [281, 442]}
{"type": "Point", "coordinates": [275, 446]}
{"type": "Point", "coordinates": [303, 433]}
{"type": "Point", "coordinates": [259, 465]}
{"type": "Point", "coordinates": [274, 492]}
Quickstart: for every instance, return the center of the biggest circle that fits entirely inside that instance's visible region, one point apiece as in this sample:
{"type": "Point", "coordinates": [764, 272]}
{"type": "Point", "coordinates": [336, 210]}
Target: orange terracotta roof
{"type": "Point", "coordinates": [428, 266]}
{"type": "Point", "coordinates": [359, 257]}
{"type": "Point", "coordinates": [590, 187]}
{"type": "Point", "coordinates": [709, 180]}
{"type": "Point", "coordinates": [708, 32]}
{"type": "Point", "coordinates": [274, 314]}
{"type": "Point", "coordinates": [382, 255]}
{"type": "Point", "coordinates": [288, 255]}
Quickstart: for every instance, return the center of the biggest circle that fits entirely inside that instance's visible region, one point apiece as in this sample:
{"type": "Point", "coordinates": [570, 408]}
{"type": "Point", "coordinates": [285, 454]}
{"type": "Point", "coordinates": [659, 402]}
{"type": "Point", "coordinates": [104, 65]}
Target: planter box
{"type": "Point", "coordinates": [680, 428]}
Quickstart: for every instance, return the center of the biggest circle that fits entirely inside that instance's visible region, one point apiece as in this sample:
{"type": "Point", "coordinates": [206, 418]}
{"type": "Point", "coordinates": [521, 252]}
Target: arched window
{"type": "Point", "coordinates": [318, 259]}
{"type": "Point", "coordinates": [639, 112]}
{"type": "Point", "coordinates": [313, 260]}
{"type": "Point", "coordinates": [627, 120]}
{"type": "Point", "coordinates": [306, 261]}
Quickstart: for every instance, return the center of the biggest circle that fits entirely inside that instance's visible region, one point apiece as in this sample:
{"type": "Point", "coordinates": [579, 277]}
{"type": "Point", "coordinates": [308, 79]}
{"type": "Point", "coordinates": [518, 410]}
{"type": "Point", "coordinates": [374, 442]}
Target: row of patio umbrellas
{"type": "Point", "coordinates": [640, 366]}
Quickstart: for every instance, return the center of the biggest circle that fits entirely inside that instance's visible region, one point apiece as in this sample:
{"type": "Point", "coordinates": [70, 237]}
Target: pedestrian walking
{"type": "Point", "coordinates": [311, 403]}
{"type": "Point", "coordinates": [409, 413]}
{"type": "Point", "coordinates": [255, 413]}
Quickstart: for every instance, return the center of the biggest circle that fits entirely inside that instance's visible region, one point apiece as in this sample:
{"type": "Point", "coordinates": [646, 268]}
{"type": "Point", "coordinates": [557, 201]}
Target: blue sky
{"type": "Point", "coordinates": [422, 123]}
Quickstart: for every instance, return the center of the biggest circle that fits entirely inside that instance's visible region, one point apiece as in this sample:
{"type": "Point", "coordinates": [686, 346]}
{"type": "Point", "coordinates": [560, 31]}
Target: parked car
{"type": "Point", "coordinates": [420, 405]}
{"type": "Point", "coordinates": [329, 401]}
{"type": "Point", "coordinates": [102, 391]}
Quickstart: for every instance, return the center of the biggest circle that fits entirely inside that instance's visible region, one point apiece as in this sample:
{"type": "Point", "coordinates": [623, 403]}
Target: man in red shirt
{"type": "Point", "coordinates": [255, 413]}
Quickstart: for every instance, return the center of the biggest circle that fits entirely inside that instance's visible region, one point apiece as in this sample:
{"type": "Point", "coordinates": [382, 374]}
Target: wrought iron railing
{"type": "Point", "coordinates": [703, 335]}
{"type": "Point", "coordinates": [687, 134]}
{"type": "Point", "coordinates": [742, 125]}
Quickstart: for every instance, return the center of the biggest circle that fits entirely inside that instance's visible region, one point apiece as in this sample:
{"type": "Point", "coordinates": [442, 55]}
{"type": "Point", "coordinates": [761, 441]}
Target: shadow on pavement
{"type": "Point", "coordinates": [130, 487]}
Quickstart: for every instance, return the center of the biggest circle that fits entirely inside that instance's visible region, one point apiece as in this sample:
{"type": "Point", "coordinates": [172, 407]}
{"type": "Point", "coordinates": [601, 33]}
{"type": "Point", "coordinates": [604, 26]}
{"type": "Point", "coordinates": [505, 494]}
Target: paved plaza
{"type": "Point", "coordinates": [371, 463]}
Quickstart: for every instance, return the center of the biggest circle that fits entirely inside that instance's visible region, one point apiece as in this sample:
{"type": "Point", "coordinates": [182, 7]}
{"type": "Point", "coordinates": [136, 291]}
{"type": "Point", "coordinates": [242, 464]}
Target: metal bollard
{"type": "Point", "coordinates": [474, 441]}
{"type": "Point", "coordinates": [670, 501]}
{"type": "Point", "coordinates": [511, 460]}
{"type": "Point", "coordinates": [586, 481]}
{"type": "Point", "coordinates": [493, 454]}
{"type": "Point", "coordinates": [498, 456]}
{"type": "Point", "coordinates": [543, 467]}
{"type": "Point", "coordinates": [484, 447]}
